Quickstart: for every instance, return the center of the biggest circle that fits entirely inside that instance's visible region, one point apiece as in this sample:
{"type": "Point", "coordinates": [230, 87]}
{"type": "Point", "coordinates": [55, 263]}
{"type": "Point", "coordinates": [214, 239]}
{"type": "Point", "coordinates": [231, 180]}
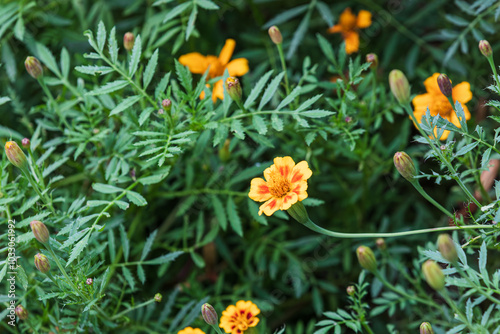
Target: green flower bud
{"type": "Point", "coordinates": [25, 142]}
{"type": "Point", "coordinates": [405, 166]}
{"type": "Point", "coordinates": [380, 242]}
{"type": "Point", "coordinates": [167, 105]}
{"type": "Point", "coordinates": [33, 67]}
{"type": "Point", "coordinates": [426, 328]}
{"type": "Point", "coordinates": [128, 41]}
{"type": "Point", "coordinates": [399, 86]}
{"type": "Point", "coordinates": [42, 263]}
{"type": "Point", "coordinates": [158, 297]}
{"type": "Point", "coordinates": [21, 312]}
{"type": "Point", "coordinates": [209, 314]}
{"type": "Point", "coordinates": [275, 35]}
{"type": "Point", "coordinates": [485, 48]}
{"type": "Point", "coordinates": [351, 290]}
{"type": "Point", "coordinates": [447, 247]}
{"type": "Point", "coordinates": [366, 258]}
{"type": "Point", "coordinates": [373, 59]}
{"type": "Point", "coordinates": [40, 231]}
{"type": "Point", "coordinates": [433, 275]}
{"type": "Point", "coordinates": [444, 84]}
{"type": "Point", "coordinates": [233, 88]}
{"type": "Point", "coordinates": [15, 155]}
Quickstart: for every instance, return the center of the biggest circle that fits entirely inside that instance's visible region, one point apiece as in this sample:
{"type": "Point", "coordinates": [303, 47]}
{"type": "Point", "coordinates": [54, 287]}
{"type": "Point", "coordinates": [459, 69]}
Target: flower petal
{"type": "Point", "coordinates": [462, 93]}
{"type": "Point", "coordinates": [431, 85]}
{"type": "Point", "coordinates": [347, 20]}
{"type": "Point", "coordinates": [227, 51]}
{"type": "Point", "coordinates": [270, 206]}
{"type": "Point", "coordinates": [284, 166]}
{"type": "Point", "coordinates": [335, 29]}
{"type": "Point", "coordinates": [300, 172]}
{"type": "Point", "coordinates": [259, 191]}
{"type": "Point", "coordinates": [364, 19]}
{"type": "Point", "coordinates": [300, 189]}
{"type": "Point", "coordinates": [420, 104]}
{"type": "Point", "coordinates": [196, 62]}
{"type": "Point", "coordinates": [218, 91]}
{"type": "Point", "coordinates": [351, 41]}
{"type": "Point", "coordinates": [237, 67]}
{"type": "Point", "coordinates": [288, 200]}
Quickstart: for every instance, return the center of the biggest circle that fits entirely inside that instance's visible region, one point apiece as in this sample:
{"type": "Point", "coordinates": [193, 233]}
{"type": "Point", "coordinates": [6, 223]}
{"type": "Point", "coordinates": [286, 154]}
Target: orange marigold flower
{"type": "Point", "coordinates": [237, 319]}
{"type": "Point", "coordinates": [285, 184]}
{"type": "Point", "coordinates": [437, 103]}
{"type": "Point", "coordinates": [349, 25]}
{"type": "Point", "coordinates": [198, 64]}
{"type": "Point", "coordinates": [190, 330]}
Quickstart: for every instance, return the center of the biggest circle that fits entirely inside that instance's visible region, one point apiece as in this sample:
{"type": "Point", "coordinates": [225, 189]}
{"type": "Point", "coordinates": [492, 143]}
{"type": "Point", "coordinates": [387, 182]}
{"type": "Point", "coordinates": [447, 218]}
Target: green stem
{"type": "Point", "coordinates": [43, 197]}
{"type": "Point", "coordinates": [476, 287]}
{"type": "Point", "coordinates": [132, 308]}
{"type": "Point", "coordinates": [217, 329]}
{"type": "Point", "coordinates": [450, 302]}
{"type": "Point", "coordinates": [283, 66]}
{"type": "Point", "coordinates": [430, 199]}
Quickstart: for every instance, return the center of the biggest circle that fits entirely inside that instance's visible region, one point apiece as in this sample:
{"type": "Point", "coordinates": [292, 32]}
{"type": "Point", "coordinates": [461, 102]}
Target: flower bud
{"type": "Point", "coordinates": [275, 35]}
{"type": "Point", "coordinates": [399, 86]}
{"type": "Point", "coordinates": [128, 41]}
{"type": "Point", "coordinates": [233, 88]}
{"type": "Point", "coordinates": [33, 67]}
{"type": "Point", "coordinates": [426, 328]}
{"type": "Point", "coordinates": [351, 290]}
{"type": "Point", "coordinates": [224, 153]}
{"type": "Point", "coordinates": [348, 119]}
{"type": "Point", "coordinates": [405, 166]}
{"type": "Point", "coordinates": [366, 258]}
{"type": "Point", "coordinates": [447, 247]}
{"type": "Point", "coordinates": [21, 312]}
{"type": "Point", "coordinates": [161, 112]}
{"type": "Point", "coordinates": [42, 263]}
{"type": "Point", "coordinates": [444, 84]}
{"type": "Point", "coordinates": [16, 155]}
{"type": "Point", "coordinates": [167, 105]}
{"type": "Point", "coordinates": [485, 48]}
{"type": "Point", "coordinates": [380, 242]}
{"type": "Point", "coordinates": [25, 142]}
{"type": "Point", "coordinates": [373, 59]}
{"type": "Point", "coordinates": [433, 275]}
{"type": "Point", "coordinates": [209, 314]}
{"type": "Point", "coordinates": [89, 281]}
{"type": "Point", "coordinates": [40, 231]}
{"type": "Point", "coordinates": [158, 297]}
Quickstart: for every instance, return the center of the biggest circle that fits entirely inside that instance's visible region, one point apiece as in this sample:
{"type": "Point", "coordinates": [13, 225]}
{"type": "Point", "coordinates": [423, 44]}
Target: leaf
{"type": "Point", "coordinates": [164, 258]}
{"type": "Point", "coordinates": [101, 36]}
{"type": "Point", "coordinates": [141, 274]}
{"type": "Point", "coordinates": [125, 104]}
{"type": "Point", "coordinates": [220, 214]}
{"type": "Point", "coordinates": [325, 13]}
{"type": "Point", "coordinates": [234, 219]}
{"type": "Point", "coordinates": [135, 57]}
{"type": "Point", "coordinates": [177, 11]}
{"type": "Point", "coordinates": [184, 75]}
{"type": "Point", "coordinates": [298, 36]}
{"type": "Point", "coordinates": [276, 122]}
{"type": "Point", "coordinates": [197, 259]}
{"type": "Point", "coordinates": [109, 87]}
{"type": "Point", "coordinates": [94, 70]}
{"type": "Point", "coordinates": [286, 15]}
{"type": "Point", "coordinates": [79, 247]}
{"type": "Point", "coordinates": [148, 244]}
{"type": "Point", "coordinates": [287, 100]}
{"type": "Point", "coordinates": [257, 89]}
{"type": "Point", "coordinates": [150, 70]}
{"type": "Point", "coordinates": [270, 90]}
{"type": "Point", "coordinates": [106, 188]}
{"type": "Point", "coordinates": [113, 46]}
{"type": "Point", "coordinates": [317, 113]}
{"type": "Point", "coordinates": [483, 256]}
{"type": "Point", "coordinates": [128, 277]}
{"type": "Point", "coordinates": [136, 198]}
{"type": "Point", "coordinates": [466, 148]}
{"type": "Point", "coordinates": [125, 243]}
{"type": "Point", "coordinates": [259, 124]}
{"type": "Point", "coordinates": [65, 62]}
{"type": "Point", "coordinates": [306, 104]}
{"type": "Point", "coordinates": [156, 178]}
{"type": "Point", "coordinates": [47, 58]}
{"type": "Point", "coordinates": [191, 22]}
{"type": "Point", "coordinates": [207, 4]}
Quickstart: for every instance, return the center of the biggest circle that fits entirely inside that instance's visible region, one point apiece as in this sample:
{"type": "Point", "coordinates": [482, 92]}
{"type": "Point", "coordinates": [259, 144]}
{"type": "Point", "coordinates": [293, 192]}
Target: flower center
{"type": "Point", "coordinates": [279, 186]}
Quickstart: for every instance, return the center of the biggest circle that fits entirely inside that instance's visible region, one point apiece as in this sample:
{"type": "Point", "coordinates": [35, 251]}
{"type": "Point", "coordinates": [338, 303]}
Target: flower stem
{"type": "Point", "coordinates": [217, 329]}
{"type": "Point", "coordinates": [430, 199]}
{"type": "Point", "coordinates": [450, 302]}
{"type": "Point", "coordinates": [283, 66]}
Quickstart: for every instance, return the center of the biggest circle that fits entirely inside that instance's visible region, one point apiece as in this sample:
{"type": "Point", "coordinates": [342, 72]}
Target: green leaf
{"type": "Point", "coordinates": [270, 90]}
{"type": "Point", "coordinates": [136, 198]}
{"type": "Point", "coordinates": [306, 104]}
{"type": "Point", "coordinates": [237, 129]}
{"type": "Point", "coordinates": [276, 122]}
{"type": "Point", "coordinates": [259, 124]}
{"type": "Point", "coordinates": [286, 15]}
{"type": "Point", "coordinates": [317, 113]}
{"type": "Point", "coordinates": [156, 178]}
{"type": "Point", "coordinates": [234, 219]}
{"type": "Point", "coordinates": [191, 22]}
{"type": "Point", "coordinates": [184, 76]}
{"type": "Point", "coordinates": [125, 104]}
{"type": "Point", "coordinates": [106, 188]}
{"type": "Point", "coordinates": [466, 148]}
{"type": "Point", "coordinates": [110, 87]}
{"type": "Point", "coordinates": [148, 244]}
{"type": "Point", "coordinates": [325, 13]}
{"type": "Point", "coordinates": [128, 277]}
{"type": "Point", "coordinates": [326, 47]}
{"type": "Point", "coordinates": [141, 274]}
{"type": "Point", "coordinates": [164, 258]}
{"type": "Point", "coordinates": [79, 247]}
{"type": "Point", "coordinates": [207, 4]}
{"type": "Point", "coordinates": [113, 46]}
{"type": "Point", "coordinates": [176, 11]}
{"type": "Point", "coordinates": [65, 62]}
{"type": "Point", "coordinates": [220, 214]}
{"type": "Point", "coordinates": [197, 259]}
{"type": "Point", "coordinates": [125, 243]}
{"type": "Point", "coordinates": [287, 100]}
{"type": "Point", "coordinates": [257, 89]}
{"type": "Point", "coordinates": [101, 36]}
{"type": "Point", "coordinates": [94, 69]}
{"type": "Point", "coordinates": [135, 57]}
{"type": "Point", "coordinates": [4, 100]}
{"type": "Point", "coordinates": [298, 36]}
{"type": "Point", "coordinates": [47, 58]}
{"type": "Point", "coordinates": [150, 69]}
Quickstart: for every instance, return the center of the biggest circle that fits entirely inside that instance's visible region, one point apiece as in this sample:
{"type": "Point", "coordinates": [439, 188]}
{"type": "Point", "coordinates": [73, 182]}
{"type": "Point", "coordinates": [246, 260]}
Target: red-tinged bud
{"type": "Point", "coordinates": [161, 112]}
{"type": "Point", "coordinates": [158, 297]}
{"type": "Point", "coordinates": [373, 59]}
{"type": "Point", "coordinates": [380, 242]}
{"type": "Point", "coordinates": [444, 84]}
{"type": "Point", "coordinates": [42, 263]}
{"type": "Point", "coordinates": [275, 35]}
{"type": "Point", "coordinates": [128, 41]}
{"type": "Point", "coordinates": [366, 258]}
{"type": "Point", "coordinates": [433, 275]}
{"type": "Point", "coordinates": [33, 67]}
{"type": "Point", "coordinates": [426, 328]}
{"type": "Point", "coordinates": [15, 155]}
{"type": "Point", "coordinates": [209, 314]}
{"type": "Point", "coordinates": [167, 105]}
{"type": "Point", "coordinates": [89, 281]}
{"type": "Point", "coordinates": [400, 87]}
{"type": "Point", "coordinates": [485, 48]}
{"type": "Point", "coordinates": [40, 231]}
{"type": "Point", "coordinates": [233, 88]}
{"type": "Point", "coordinates": [351, 290]}
{"type": "Point", "coordinates": [447, 247]}
{"type": "Point", "coordinates": [25, 142]}
{"type": "Point", "coordinates": [21, 312]}
{"type": "Point", "coordinates": [405, 166]}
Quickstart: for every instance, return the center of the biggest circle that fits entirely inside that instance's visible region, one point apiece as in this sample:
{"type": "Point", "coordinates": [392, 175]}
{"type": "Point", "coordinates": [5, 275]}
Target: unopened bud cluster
{"type": "Point", "coordinates": [426, 328]}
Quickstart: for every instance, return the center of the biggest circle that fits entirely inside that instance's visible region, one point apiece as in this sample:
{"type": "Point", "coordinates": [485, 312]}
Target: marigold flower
{"type": "Point", "coordinates": [190, 330]}
{"type": "Point", "coordinates": [198, 64]}
{"type": "Point", "coordinates": [349, 25]}
{"type": "Point", "coordinates": [439, 104]}
{"type": "Point", "coordinates": [237, 319]}
{"type": "Point", "coordinates": [285, 184]}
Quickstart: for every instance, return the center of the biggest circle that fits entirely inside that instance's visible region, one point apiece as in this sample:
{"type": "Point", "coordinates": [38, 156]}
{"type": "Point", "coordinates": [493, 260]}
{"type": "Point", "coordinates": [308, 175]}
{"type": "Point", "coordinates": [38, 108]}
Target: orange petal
{"type": "Point", "coordinates": [300, 189]}
{"type": "Point", "coordinates": [237, 67]}
{"type": "Point", "coordinates": [421, 102]}
{"type": "Point", "coordinates": [351, 41]}
{"type": "Point", "coordinates": [271, 206]}
{"type": "Point", "coordinates": [284, 166]}
{"type": "Point", "coordinates": [202, 94]}
{"type": "Point", "coordinates": [218, 91]}
{"type": "Point", "coordinates": [196, 62]}
{"type": "Point", "coordinates": [462, 93]}
{"type": "Point", "coordinates": [288, 200]}
{"type": "Point", "coordinates": [227, 51]}
{"type": "Point", "coordinates": [364, 19]}
{"type": "Point", "coordinates": [259, 190]}
{"type": "Point", "coordinates": [300, 172]}
{"type": "Point", "coordinates": [335, 29]}
{"type": "Point", "coordinates": [347, 20]}
{"type": "Point", "coordinates": [431, 85]}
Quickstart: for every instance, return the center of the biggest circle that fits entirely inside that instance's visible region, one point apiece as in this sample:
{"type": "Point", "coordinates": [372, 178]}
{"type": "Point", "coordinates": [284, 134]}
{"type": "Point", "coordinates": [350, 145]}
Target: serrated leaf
{"type": "Point", "coordinates": [125, 243]}
{"type": "Point", "coordinates": [177, 11]}
{"type": "Point", "coordinates": [113, 45]}
{"type": "Point", "coordinates": [156, 178]}
{"type": "Point", "coordinates": [101, 36]}
{"type": "Point", "coordinates": [276, 122]}
{"type": "Point", "coordinates": [317, 113]}
{"type": "Point", "coordinates": [148, 244]}
{"type": "Point", "coordinates": [135, 57]}
{"type": "Point", "coordinates": [47, 58]}
{"type": "Point", "coordinates": [198, 260]}
{"type": "Point", "coordinates": [136, 198]}
{"type": "Point", "coordinates": [257, 89]}
{"type": "Point", "coordinates": [259, 124]}
{"type": "Point", "coordinates": [286, 16]}
{"type": "Point", "coordinates": [234, 218]}
{"type": "Point", "coordinates": [184, 75]}
{"type": "Point", "coordinates": [110, 87]}
{"type": "Point", "coordinates": [270, 90]}
{"type": "Point", "coordinates": [128, 277]}
{"type": "Point", "coordinates": [141, 274]}
{"type": "Point", "coordinates": [106, 188]}
{"type": "Point", "coordinates": [94, 70]}
{"type": "Point", "coordinates": [287, 100]}
{"type": "Point", "coordinates": [191, 22]}
{"type": "Point", "coordinates": [164, 258]}
{"type": "Point", "coordinates": [150, 69]}
{"type": "Point", "coordinates": [220, 213]}
{"type": "Point", "coordinates": [237, 129]}
{"type": "Point", "coordinates": [79, 247]}
{"type": "Point", "coordinates": [125, 104]}
{"type": "Point", "coordinates": [65, 62]}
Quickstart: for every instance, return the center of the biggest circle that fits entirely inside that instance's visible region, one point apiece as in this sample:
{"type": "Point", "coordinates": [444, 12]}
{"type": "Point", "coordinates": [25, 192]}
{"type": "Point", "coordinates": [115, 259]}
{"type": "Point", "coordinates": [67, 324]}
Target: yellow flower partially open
{"type": "Point", "coordinates": [285, 185]}
{"type": "Point", "coordinates": [236, 319]}
{"type": "Point", "coordinates": [191, 330]}
{"type": "Point", "coordinates": [198, 64]}
{"type": "Point", "coordinates": [437, 103]}
{"type": "Point", "coordinates": [349, 25]}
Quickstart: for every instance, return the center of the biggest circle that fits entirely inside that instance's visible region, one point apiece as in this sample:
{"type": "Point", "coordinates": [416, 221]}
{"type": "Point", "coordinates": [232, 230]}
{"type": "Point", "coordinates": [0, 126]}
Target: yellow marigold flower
{"type": "Point", "coordinates": [285, 184]}
{"type": "Point", "coordinates": [190, 330]}
{"type": "Point", "coordinates": [439, 104]}
{"type": "Point", "coordinates": [237, 319]}
{"type": "Point", "coordinates": [349, 25]}
{"type": "Point", "coordinates": [198, 64]}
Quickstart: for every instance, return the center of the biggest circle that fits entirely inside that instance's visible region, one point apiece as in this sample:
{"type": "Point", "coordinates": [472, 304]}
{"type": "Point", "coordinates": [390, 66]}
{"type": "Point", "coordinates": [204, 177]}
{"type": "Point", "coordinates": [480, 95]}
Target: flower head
{"type": "Point", "coordinates": [128, 41]}
{"type": "Point", "coordinates": [89, 281]}
{"type": "Point", "coordinates": [33, 67]}
{"type": "Point", "coordinates": [209, 314]}
{"type": "Point", "coordinates": [433, 275]}
{"type": "Point", "coordinates": [198, 64]}
{"type": "Point", "coordinates": [285, 185]}
{"type": "Point", "coordinates": [40, 231]}
{"type": "Point", "coordinates": [190, 330]}
{"type": "Point", "coordinates": [15, 155]}
{"type": "Point", "coordinates": [275, 35]}
{"type": "Point", "coordinates": [400, 87]}
{"type": "Point", "coordinates": [437, 103]}
{"type": "Point", "coordinates": [366, 258]}
{"type": "Point", "coordinates": [349, 25]}
{"type": "Point", "coordinates": [42, 263]}
{"type": "Point", "coordinates": [485, 48]}
{"type": "Point", "coordinates": [236, 319]}
{"type": "Point", "coordinates": [21, 312]}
